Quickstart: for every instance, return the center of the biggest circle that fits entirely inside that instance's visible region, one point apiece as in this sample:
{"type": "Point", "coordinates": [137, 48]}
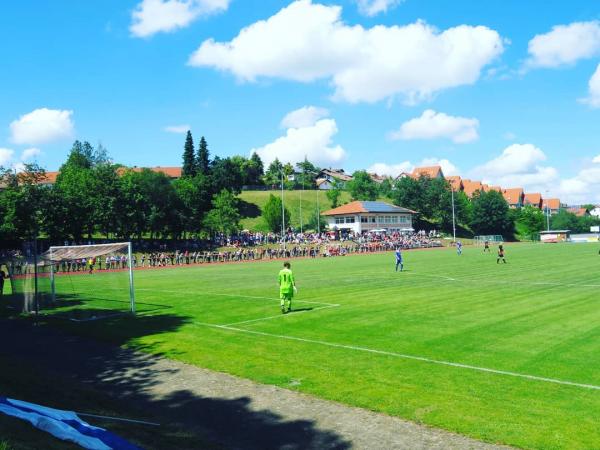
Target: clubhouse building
{"type": "Point", "coordinates": [364, 216]}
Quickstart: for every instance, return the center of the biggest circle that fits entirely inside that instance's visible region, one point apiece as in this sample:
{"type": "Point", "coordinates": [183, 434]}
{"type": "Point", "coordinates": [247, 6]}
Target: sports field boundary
{"type": "Point", "coordinates": [404, 356]}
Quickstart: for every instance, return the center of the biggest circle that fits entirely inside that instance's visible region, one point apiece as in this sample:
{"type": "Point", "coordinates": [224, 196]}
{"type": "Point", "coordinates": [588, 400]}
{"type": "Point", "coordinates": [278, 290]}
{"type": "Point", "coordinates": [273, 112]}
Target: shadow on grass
{"type": "Point", "coordinates": [247, 209]}
{"type": "Point", "coordinates": [138, 381]}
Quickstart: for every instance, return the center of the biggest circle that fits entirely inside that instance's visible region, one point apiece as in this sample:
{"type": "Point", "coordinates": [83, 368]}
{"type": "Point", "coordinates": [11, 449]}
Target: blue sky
{"type": "Point", "coordinates": [503, 91]}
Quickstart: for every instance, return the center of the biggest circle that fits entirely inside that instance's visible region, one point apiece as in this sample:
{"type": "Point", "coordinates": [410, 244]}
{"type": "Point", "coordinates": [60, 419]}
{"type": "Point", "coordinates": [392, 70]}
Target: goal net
{"type": "Point", "coordinates": [491, 238]}
{"type": "Point", "coordinates": [79, 283]}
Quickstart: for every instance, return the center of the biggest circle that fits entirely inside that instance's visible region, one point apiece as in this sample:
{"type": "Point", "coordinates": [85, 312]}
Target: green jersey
{"type": "Point", "coordinates": [286, 281]}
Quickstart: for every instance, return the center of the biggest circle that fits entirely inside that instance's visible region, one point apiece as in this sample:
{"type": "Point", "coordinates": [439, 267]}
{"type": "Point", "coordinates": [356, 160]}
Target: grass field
{"type": "Point", "coordinates": [252, 220]}
{"type": "Point", "coordinates": [504, 353]}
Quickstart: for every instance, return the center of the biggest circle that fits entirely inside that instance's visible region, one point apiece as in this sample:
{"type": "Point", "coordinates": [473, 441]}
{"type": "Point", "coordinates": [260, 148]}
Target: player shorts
{"type": "Point", "coordinates": [286, 295]}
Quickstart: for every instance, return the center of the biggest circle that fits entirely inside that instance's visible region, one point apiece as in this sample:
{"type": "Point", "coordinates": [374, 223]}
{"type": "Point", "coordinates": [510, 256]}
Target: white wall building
{"type": "Point", "coordinates": [361, 216]}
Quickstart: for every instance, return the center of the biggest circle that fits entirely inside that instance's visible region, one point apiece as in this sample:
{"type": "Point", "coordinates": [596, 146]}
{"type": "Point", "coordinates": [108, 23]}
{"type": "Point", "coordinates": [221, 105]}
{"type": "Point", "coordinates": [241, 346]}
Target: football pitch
{"type": "Point", "coordinates": [506, 353]}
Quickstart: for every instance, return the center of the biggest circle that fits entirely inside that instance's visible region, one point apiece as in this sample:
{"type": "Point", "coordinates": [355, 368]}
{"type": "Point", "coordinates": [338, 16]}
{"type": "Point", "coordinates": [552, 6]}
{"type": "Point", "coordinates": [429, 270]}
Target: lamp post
{"type": "Point", "coordinates": [547, 213]}
{"type": "Point", "coordinates": [282, 213]}
{"type": "Point", "coordinates": [453, 216]}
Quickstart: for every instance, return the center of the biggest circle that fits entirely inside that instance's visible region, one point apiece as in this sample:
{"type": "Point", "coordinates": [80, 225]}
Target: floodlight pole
{"type": "Point", "coordinates": [318, 213]}
{"type": "Point", "coordinates": [131, 291]}
{"type": "Point", "coordinates": [35, 280]}
{"type": "Point", "coordinates": [453, 217]}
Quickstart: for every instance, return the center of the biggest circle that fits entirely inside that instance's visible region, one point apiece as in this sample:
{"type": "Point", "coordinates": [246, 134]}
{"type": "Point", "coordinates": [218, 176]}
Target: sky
{"type": "Point", "coordinates": [503, 91]}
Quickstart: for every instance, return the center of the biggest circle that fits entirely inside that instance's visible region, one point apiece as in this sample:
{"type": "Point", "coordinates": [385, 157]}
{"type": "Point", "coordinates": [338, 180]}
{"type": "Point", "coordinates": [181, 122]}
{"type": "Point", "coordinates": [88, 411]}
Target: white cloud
{"type": "Point", "coordinates": [304, 117]}
{"type": "Point", "coordinates": [314, 142]}
{"type": "Point", "coordinates": [177, 128]}
{"type": "Point", "coordinates": [371, 8]}
{"type": "Point", "coordinates": [583, 187]}
{"type": "Point", "coordinates": [447, 167]}
{"type": "Point", "coordinates": [42, 126]}
{"type": "Point", "coordinates": [30, 153]}
{"type": "Point", "coordinates": [307, 41]}
{"type": "Point", "coordinates": [392, 170]}
{"type": "Point", "coordinates": [509, 136]}
{"type": "Point", "coordinates": [156, 16]}
{"type": "Point", "coordinates": [594, 89]}
{"type": "Point", "coordinates": [565, 44]}
{"type": "Point", "coordinates": [6, 156]}
{"type": "Point", "coordinates": [519, 165]}
{"type": "Point", "coordinates": [434, 125]}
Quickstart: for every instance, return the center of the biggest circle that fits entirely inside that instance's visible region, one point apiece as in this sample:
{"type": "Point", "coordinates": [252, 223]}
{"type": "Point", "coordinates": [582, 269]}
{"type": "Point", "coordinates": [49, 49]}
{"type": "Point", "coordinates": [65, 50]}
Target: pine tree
{"type": "Point", "coordinates": [203, 161]}
{"type": "Point", "coordinates": [189, 162]}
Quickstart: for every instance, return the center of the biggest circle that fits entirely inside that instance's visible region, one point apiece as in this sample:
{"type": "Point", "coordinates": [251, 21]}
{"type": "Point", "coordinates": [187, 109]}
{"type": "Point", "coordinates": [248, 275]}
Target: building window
{"type": "Point", "coordinates": [339, 220]}
{"type": "Point", "coordinates": [394, 219]}
{"type": "Point", "coordinates": [373, 219]}
{"type": "Point", "coordinates": [364, 219]}
{"type": "Point", "coordinates": [350, 219]}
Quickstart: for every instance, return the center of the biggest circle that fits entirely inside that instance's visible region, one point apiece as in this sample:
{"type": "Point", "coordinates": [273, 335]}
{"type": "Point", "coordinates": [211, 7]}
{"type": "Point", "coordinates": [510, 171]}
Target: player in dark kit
{"type": "Point", "coordinates": [486, 247]}
{"type": "Point", "coordinates": [500, 255]}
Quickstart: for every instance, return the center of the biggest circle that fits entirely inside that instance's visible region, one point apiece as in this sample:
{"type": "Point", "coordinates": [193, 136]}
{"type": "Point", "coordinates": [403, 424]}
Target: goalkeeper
{"type": "Point", "coordinates": [287, 287]}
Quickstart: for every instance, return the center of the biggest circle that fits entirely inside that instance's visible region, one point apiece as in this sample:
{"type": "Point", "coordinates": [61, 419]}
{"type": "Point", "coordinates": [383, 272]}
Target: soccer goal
{"type": "Point", "coordinates": [491, 238]}
{"type": "Point", "coordinates": [79, 283]}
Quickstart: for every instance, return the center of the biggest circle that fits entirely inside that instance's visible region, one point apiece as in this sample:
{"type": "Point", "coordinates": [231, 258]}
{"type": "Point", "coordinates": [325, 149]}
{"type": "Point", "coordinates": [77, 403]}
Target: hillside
{"type": "Point", "coordinates": [253, 201]}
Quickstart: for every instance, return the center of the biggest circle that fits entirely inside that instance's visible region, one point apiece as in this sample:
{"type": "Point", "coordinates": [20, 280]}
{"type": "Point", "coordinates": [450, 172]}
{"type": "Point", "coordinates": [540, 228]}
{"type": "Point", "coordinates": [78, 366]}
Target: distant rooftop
{"type": "Point", "coordinates": [358, 206]}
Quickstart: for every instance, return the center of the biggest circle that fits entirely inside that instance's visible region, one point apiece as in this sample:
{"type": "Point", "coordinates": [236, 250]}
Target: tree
{"type": "Point", "coordinates": [203, 161]}
{"type": "Point", "coordinates": [385, 188]}
{"type": "Point", "coordinates": [194, 195]}
{"type": "Point", "coordinates": [271, 214]}
{"type": "Point", "coordinates": [273, 175]}
{"type": "Point", "coordinates": [307, 173]}
{"type": "Point", "coordinates": [362, 186]}
{"type": "Point", "coordinates": [529, 220]}
{"type": "Point", "coordinates": [564, 220]}
{"type": "Point", "coordinates": [334, 193]}
{"type": "Point", "coordinates": [105, 197]}
{"type": "Point", "coordinates": [254, 170]}
{"type": "Point", "coordinates": [224, 216]}
{"type": "Point", "coordinates": [225, 174]}
{"type": "Point", "coordinates": [491, 214]}
{"type": "Point", "coordinates": [189, 160]}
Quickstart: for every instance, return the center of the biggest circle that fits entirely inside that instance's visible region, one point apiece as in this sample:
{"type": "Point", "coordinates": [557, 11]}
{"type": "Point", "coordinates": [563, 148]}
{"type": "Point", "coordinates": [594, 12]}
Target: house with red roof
{"type": "Point", "coordinates": [470, 187]}
{"type": "Point", "coordinates": [427, 171]}
{"type": "Point", "coordinates": [534, 199]}
{"type": "Point", "coordinates": [455, 182]}
{"type": "Point", "coordinates": [363, 216]}
{"type": "Point", "coordinates": [552, 204]}
{"type": "Point", "coordinates": [514, 197]}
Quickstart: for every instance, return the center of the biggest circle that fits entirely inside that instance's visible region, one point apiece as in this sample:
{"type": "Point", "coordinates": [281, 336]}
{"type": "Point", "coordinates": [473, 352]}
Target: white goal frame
{"type": "Point", "coordinates": [491, 238]}
{"type": "Point", "coordinates": [79, 251]}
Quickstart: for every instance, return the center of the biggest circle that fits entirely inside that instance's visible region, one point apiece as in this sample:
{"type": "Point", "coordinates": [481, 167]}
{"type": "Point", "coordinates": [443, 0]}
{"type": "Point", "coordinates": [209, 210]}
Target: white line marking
{"type": "Point", "coordinates": [411, 357]}
{"type": "Point", "coordinates": [279, 316]}
{"type": "Point", "coordinates": [236, 296]}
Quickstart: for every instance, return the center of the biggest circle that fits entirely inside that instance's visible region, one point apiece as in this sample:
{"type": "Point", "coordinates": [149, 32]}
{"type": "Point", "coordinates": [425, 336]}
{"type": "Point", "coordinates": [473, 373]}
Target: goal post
{"type": "Point", "coordinates": [491, 238]}
{"type": "Point", "coordinates": [71, 268]}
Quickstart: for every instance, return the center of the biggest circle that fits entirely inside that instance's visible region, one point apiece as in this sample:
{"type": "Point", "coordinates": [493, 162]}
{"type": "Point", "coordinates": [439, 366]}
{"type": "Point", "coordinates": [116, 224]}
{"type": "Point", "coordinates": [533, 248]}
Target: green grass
{"type": "Point", "coordinates": [538, 315]}
{"type": "Point", "coordinates": [253, 221]}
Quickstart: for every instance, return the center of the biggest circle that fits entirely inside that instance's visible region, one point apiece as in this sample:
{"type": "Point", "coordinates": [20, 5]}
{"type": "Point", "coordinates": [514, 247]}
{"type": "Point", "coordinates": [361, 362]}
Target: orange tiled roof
{"type": "Point", "coordinates": [495, 188]}
{"type": "Point", "coordinates": [534, 199]}
{"type": "Point", "coordinates": [470, 187]}
{"type": "Point", "coordinates": [552, 203]}
{"type": "Point", "coordinates": [429, 171]}
{"type": "Point", "coordinates": [579, 212]}
{"type": "Point", "coordinates": [50, 178]}
{"type": "Point", "coordinates": [513, 196]}
{"type": "Point", "coordinates": [171, 172]}
{"type": "Point", "coordinates": [455, 182]}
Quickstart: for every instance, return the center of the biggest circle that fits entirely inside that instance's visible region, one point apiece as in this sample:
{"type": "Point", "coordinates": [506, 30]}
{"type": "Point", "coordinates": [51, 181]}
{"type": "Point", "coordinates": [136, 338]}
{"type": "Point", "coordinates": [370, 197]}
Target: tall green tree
{"type": "Point", "coordinates": [307, 173]}
{"type": "Point", "coordinates": [529, 221]}
{"type": "Point", "coordinates": [254, 170]}
{"type": "Point", "coordinates": [224, 216]}
{"type": "Point", "coordinates": [195, 197]}
{"type": "Point", "coordinates": [203, 160]}
{"type": "Point", "coordinates": [491, 215]}
{"type": "Point", "coordinates": [334, 193]}
{"type": "Point", "coordinates": [362, 186]}
{"type": "Point", "coordinates": [189, 160]}
{"type": "Point", "coordinates": [273, 174]}
{"type": "Point", "coordinates": [272, 214]}
{"type": "Point", "coordinates": [226, 174]}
